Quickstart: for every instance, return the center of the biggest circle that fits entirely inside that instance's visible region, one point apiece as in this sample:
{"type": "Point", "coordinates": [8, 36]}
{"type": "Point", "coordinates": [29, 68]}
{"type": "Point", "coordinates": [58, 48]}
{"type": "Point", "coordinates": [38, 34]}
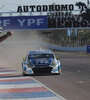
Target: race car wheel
{"type": "Point", "coordinates": [24, 74]}
{"type": "Point", "coordinates": [56, 73]}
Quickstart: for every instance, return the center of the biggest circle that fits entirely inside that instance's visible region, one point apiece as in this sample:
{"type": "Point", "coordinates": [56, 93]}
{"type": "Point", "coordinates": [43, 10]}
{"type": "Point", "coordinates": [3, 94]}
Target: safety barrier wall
{"type": "Point", "coordinates": [60, 48]}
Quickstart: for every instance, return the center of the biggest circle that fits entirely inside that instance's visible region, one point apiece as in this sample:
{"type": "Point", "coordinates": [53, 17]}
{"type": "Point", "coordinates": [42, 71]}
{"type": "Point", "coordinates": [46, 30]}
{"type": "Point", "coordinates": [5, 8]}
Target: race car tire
{"type": "Point", "coordinates": [56, 73]}
{"type": "Point", "coordinates": [24, 74]}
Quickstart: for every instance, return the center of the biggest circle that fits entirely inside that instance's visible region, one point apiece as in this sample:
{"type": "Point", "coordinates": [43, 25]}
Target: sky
{"type": "Point", "coordinates": [12, 5]}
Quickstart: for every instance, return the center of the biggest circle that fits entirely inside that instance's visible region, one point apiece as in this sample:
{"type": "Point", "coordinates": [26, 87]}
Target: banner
{"type": "Point", "coordinates": [45, 8]}
{"type": "Point", "coordinates": [24, 22]}
{"type": "Point", "coordinates": [62, 15]}
{"type": "Point", "coordinates": [68, 20]}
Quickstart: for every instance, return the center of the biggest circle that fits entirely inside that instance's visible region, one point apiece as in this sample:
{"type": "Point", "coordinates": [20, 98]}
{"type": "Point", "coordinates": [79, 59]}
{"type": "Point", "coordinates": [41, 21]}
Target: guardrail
{"type": "Point", "coordinates": [69, 49]}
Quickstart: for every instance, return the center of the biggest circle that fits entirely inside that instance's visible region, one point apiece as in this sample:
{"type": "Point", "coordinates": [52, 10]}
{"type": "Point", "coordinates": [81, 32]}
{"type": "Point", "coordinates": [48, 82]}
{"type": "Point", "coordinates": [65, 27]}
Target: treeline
{"type": "Point", "coordinates": [60, 37]}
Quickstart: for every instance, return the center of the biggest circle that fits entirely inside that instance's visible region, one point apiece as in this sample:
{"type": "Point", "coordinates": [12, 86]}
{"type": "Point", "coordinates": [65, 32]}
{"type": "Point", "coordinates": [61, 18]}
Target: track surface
{"type": "Point", "coordinates": [73, 84]}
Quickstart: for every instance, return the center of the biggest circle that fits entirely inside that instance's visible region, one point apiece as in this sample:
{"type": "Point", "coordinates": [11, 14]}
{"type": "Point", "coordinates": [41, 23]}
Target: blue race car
{"type": "Point", "coordinates": [40, 61]}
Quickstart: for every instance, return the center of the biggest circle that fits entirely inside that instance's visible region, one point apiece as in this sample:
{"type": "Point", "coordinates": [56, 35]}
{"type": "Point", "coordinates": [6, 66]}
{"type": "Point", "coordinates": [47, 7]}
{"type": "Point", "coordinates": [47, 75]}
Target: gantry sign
{"type": "Point", "coordinates": [55, 17]}
{"type": "Point", "coordinates": [45, 8]}
{"type": "Point", "coordinates": [24, 22]}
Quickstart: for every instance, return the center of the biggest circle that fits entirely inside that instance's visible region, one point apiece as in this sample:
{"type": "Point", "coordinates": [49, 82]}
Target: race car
{"type": "Point", "coordinates": [39, 62]}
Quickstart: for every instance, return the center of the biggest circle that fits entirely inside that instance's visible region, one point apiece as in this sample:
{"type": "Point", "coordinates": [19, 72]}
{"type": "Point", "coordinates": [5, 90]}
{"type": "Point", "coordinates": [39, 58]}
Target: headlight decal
{"type": "Point", "coordinates": [24, 68]}
{"type": "Point", "coordinates": [54, 63]}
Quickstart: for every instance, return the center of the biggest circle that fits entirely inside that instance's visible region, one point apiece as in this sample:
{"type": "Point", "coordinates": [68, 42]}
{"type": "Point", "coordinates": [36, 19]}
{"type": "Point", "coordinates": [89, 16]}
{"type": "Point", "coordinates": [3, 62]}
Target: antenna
{"type": "Point", "coordinates": [88, 2]}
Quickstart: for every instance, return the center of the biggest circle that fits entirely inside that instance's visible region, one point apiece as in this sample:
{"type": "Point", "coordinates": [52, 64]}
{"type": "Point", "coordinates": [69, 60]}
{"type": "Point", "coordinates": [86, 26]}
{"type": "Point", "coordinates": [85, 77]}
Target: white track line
{"type": "Point", "coordinates": [45, 98]}
{"type": "Point", "coordinates": [57, 95]}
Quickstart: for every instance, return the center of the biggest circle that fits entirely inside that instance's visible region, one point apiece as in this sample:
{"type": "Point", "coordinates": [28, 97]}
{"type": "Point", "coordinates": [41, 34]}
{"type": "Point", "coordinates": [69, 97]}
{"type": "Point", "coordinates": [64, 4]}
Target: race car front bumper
{"type": "Point", "coordinates": [41, 70]}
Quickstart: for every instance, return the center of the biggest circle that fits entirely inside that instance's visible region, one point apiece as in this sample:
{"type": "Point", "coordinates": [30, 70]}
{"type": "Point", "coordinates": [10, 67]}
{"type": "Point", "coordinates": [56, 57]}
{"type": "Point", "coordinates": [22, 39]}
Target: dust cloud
{"type": "Point", "coordinates": [16, 47]}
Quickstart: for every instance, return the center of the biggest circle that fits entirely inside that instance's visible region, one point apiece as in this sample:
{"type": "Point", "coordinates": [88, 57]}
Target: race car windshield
{"type": "Point", "coordinates": [34, 56]}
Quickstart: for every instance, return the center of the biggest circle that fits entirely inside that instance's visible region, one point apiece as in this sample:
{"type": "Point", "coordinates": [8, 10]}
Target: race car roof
{"type": "Point", "coordinates": [40, 52]}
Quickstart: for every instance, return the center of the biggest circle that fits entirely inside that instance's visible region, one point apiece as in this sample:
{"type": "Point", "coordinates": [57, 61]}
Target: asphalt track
{"type": "Point", "coordinates": [73, 84]}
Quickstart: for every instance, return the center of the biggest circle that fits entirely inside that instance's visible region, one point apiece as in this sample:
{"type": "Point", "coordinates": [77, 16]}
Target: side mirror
{"type": "Point", "coordinates": [57, 57]}
{"type": "Point", "coordinates": [24, 58]}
